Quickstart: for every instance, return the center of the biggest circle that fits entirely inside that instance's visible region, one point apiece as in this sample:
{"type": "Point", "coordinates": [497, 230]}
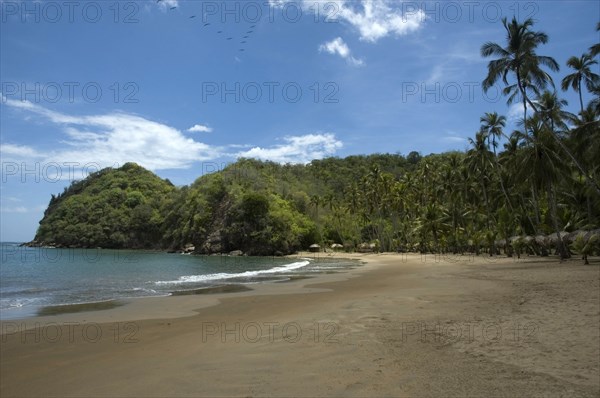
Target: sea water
{"type": "Point", "coordinates": [31, 278]}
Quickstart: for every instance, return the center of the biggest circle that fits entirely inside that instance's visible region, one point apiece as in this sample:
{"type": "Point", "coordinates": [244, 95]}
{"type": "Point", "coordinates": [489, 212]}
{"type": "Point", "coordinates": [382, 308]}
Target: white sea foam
{"type": "Point", "coordinates": [143, 289]}
{"type": "Point", "coordinates": [9, 303]}
{"type": "Point", "coordinates": [223, 275]}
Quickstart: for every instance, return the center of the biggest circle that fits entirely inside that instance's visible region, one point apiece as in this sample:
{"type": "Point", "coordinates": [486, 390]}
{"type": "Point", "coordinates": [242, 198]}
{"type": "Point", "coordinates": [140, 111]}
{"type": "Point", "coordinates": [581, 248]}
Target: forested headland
{"type": "Point", "coordinates": [535, 189]}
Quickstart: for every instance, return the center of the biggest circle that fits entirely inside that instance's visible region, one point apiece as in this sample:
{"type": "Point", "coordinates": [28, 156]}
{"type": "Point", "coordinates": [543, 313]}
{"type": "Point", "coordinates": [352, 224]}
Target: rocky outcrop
{"type": "Point", "coordinates": [213, 244]}
{"type": "Point", "coordinates": [189, 248]}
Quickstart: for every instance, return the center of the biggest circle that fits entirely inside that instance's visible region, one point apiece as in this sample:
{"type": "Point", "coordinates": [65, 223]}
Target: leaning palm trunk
{"type": "Point", "coordinates": [523, 206]}
{"type": "Point", "coordinates": [536, 207]}
{"type": "Point", "coordinates": [561, 246]}
{"type": "Point", "coordinates": [502, 182]}
{"type": "Point", "coordinates": [487, 204]}
{"type": "Point", "coordinates": [589, 210]}
{"type": "Point", "coordinates": [522, 90]}
{"type": "Point", "coordinates": [580, 97]}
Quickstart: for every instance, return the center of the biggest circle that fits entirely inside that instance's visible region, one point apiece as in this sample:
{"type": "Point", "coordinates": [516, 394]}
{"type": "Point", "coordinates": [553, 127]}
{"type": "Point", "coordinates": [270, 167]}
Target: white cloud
{"type": "Point", "coordinates": [11, 151]}
{"type": "Point", "coordinates": [453, 136]}
{"type": "Point", "coordinates": [336, 46]}
{"type": "Point", "coordinates": [166, 4]}
{"type": "Point", "coordinates": [114, 138]}
{"type": "Point", "coordinates": [10, 199]}
{"type": "Point", "coordinates": [436, 74]}
{"type": "Point", "coordinates": [339, 47]}
{"type": "Point", "coordinates": [297, 149]}
{"type": "Point", "coordinates": [199, 128]}
{"type": "Point", "coordinates": [378, 19]}
{"type": "Point", "coordinates": [277, 3]}
{"type": "Point", "coordinates": [110, 140]}
{"type": "Point", "coordinates": [17, 209]}
{"type": "Point", "coordinates": [373, 19]}
{"type": "Point", "coordinates": [454, 139]}
{"type": "Point", "coordinates": [515, 112]}
{"type": "Point", "coordinates": [22, 209]}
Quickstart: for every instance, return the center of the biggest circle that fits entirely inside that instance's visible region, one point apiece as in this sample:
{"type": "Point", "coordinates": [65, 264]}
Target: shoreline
{"type": "Point", "coordinates": [185, 302]}
{"type": "Point", "coordinates": [215, 287]}
{"type": "Point", "coordinates": [529, 328]}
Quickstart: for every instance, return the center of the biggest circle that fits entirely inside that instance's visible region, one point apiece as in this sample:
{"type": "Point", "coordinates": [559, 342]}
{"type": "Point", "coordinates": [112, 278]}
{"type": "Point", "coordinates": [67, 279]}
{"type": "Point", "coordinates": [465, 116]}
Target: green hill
{"type": "Point", "coordinates": [112, 208]}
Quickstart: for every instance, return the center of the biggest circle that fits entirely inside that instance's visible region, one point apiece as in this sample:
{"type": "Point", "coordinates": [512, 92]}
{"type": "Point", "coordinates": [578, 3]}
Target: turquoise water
{"type": "Point", "coordinates": [31, 278]}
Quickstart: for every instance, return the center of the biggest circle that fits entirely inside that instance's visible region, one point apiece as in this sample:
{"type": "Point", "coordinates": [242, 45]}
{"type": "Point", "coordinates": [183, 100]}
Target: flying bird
{"type": "Point", "coordinates": [241, 49]}
{"type": "Point", "coordinates": [245, 37]}
{"type": "Point", "coordinates": [250, 31]}
{"type": "Point", "coordinates": [220, 31]}
{"type": "Point", "coordinates": [172, 8]}
{"type": "Point", "coordinates": [253, 26]}
{"type": "Point", "coordinates": [242, 42]}
{"type": "Point", "coordinates": [229, 38]}
{"type": "Point", "coordinates": [193, 16]}
{"type": "Point", "coordinates": [206, 24]}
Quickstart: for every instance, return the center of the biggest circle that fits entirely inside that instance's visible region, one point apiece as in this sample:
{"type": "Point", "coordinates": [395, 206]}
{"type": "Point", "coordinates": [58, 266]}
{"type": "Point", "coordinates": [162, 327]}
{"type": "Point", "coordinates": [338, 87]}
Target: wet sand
{"type": "Point", "coordinates": [402, 325]}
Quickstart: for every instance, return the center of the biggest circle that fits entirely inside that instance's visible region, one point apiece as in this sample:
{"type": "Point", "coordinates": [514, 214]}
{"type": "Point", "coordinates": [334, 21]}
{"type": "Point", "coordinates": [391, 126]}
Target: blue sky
{"type": "Point", "coordinates": [185, 90]}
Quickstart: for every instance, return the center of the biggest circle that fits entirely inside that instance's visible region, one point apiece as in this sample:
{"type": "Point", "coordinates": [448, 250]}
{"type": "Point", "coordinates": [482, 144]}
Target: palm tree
{"type": "Point", "coordinates": [509, 160]}
{"type": "Point", "coordinates": [584, 140]}
{"type": "Point", "coordinates": [330, 201]}
{"type": "Point", "coordinates": [519, 58]}
{"type": "Point", "coordinates": [585, 135]}
{"type": "Point", "coordinates": [550, 108]}
{"type": "Point", "coordinates": [433, 222]}
{"type": "Point", "coordinates": [492, 124]}
{"type": "Point", "coordinates": [455, 186]}
{"type": "Point", "coordinates": [540, 163]}
{"type": "Point", "coordinates": [316, 201]}
{"type": "Point", "coordinates": [354, 201]}
{"type": "Point", "coordinates": [585, 247]}
{"type": "Point", "coordinates": [479, 160]}
{"type": "Point", "coordinates": [353, 195]}
{"type": "Point", "coordinates": [582, 73]}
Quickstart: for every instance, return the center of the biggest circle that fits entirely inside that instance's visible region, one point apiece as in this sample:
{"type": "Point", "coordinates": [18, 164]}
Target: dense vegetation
{"type": "Point", "coordinates": [111, 208]}
{"type": "Point", "coordinates": [543, 181]}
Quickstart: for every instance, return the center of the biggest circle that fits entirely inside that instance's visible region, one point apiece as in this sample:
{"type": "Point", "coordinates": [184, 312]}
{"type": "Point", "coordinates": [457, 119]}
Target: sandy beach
{"type": "Point", "coordinates": [400, 326]}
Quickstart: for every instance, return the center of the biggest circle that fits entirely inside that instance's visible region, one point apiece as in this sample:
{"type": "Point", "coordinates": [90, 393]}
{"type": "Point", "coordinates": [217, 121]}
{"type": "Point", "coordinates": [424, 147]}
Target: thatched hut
{"type": "Point", "coordinates": [571, 237]}
{"type": "Point", "coordinates": [553, 239]}
{"type": "Point", "coordinates": [585, 234]}
{"type": "Point", "coordinates": [541, 240]}
{"type": "Point", "coordinates": [366, 248]}
{"type": "Point", "coordinates": [500, 243]}
{"type": "Point", "coordinates": [337, 246]}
